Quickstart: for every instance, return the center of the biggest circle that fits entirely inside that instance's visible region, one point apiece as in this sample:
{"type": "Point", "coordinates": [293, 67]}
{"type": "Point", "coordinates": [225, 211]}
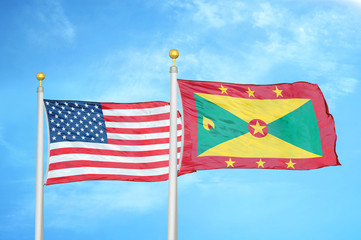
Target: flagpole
{"type": "Point", "coordinates": [172, 189]}
{"type": "Point", "coordinates": [39, 192]}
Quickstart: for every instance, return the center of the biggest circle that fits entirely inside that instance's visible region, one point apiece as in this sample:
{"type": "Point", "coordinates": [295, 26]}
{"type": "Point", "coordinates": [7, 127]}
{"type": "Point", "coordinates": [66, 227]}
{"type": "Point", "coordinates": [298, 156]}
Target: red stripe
{"type": "Point", "coordinates": [85, 177]}
{"type": "Point", "coordinates": [100, 164]}
{"type": "Point", "coordinates": [133, 105]}
{"type": "Point", "coordinates": [141, 130]}
{"type": "Point", "coordinates": [104, 152]}
{"type": "Point", "coordinates": [146, 118]}
{"type": "Point", "coordinates": [141, 142]}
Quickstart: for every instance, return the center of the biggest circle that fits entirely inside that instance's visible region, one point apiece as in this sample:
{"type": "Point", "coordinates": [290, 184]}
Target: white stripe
{"type": "Point", "coordinates": [113, 171]}
{"type": "Point", "coordinates": [161, 123]}
{"type": "Point", "coordinates": [141, 136]}
{"type": "Point", "coordinates": [133, 148]}
{"type": "Point", "coordinates": [136, 112]}
{"type": "Point", "coordinates": [102, 158]}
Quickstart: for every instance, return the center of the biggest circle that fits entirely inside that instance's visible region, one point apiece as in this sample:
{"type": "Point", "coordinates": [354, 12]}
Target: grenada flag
{"type": "Point", "coordinates": [281, 126]}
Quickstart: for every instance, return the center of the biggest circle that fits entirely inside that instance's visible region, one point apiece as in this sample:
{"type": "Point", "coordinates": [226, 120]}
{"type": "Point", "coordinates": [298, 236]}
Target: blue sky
{"type": "Point", "coordinates": [118, 51]}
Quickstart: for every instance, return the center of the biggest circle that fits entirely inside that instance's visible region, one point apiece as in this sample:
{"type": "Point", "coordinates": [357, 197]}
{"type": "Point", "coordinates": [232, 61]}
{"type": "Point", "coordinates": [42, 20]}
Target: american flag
{"type": "Point", "coordinates": [108, 141]}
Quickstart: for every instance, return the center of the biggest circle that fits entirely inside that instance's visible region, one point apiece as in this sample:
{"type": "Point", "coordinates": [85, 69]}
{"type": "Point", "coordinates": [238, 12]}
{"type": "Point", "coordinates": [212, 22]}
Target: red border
{"type": "Point", "coordinates": [303, 90]}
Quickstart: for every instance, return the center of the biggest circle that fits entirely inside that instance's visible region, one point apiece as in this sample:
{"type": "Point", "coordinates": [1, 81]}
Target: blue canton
{"type": "Point", "coordinates": [75, 121]}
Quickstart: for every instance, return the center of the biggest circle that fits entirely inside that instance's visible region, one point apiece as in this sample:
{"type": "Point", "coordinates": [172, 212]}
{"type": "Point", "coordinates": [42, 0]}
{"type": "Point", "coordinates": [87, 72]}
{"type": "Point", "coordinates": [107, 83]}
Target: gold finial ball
{"type": "Point", "coordinates": [173, 54]}
{"type": "Point", "coordinates": [40, 76]}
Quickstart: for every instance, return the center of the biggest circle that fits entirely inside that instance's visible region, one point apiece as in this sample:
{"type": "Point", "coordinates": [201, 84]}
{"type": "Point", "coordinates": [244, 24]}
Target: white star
{"type": "Point", "coordinates": [91, 130]}
{"type": "Point", "coordinates": [52, 120]}
{"type": "Point", "coordinates": [100, 123]}
{"type": "Point", "coordinates": [59, 112]}
{"type": "Point", "coordinates": [78, 113]}
{"type": "Point", "coordinates": [68, 133]}
{"type": "Point", "coordinates": [90, 123]}
{"type": "Point", "coordinates": [87, 134]}
{"type": "Point", "coordinates": [53, 129]}
{"type": "Point", "coordinates": [56, 116]}
{"type": "Point", "coordinates": [92, 110]}
{"type": "Point", "coordinates": [102, 139]}
{"type": "Point", "coordinates": [58, 124]}
{"type": "Point", "coordinates": [78, 133]}
{"type": "Point", "coordinates": [47, 103]}
{"type": "Point", "coordinates": [96, 106]}
{"type": "Point", "coordinates": [76, 104]}
{"type": "Point", "coordinates": [101, 131]}
{"type": "Point", "coordinates": [75, 117]}
{"type": "Point", "coordinates": [88, 114]}
{"type": "Point", "coordinates": [81, 121]}
{"type": "Point", "coordinates": [97, 135]}
{"type": "Point", "coordinates": [65, 103]}
{"type": "Point", "coordinates": [73, 137]}
{"type": "Point", "coordinates": [63, 129]}
{"type": "Point", "coordinates": [82, 129]}
{"type": "Point", "coordinates": [82, 110]}
{"type": "Point", "coordinates": [92, 139]}
{"type": "Point", "coordinates": [59, 133]}
{"type": "Point", "coordinates": [56, 103]}
{"type": "Point", "coordinates": [83, 137]}
{"type": "Point", "coordinates": [54, 138]}
{"type": "Point", "coordinates": [67, 124]}
{"type": "Point", "coordinates": [50, 112]}
{"type": "Point", "coordinates": [84, 118]}
{"type": "Point", "coordinates": [76, 125]}
{"type": "Point", "coordinates": [72, 129]}
{"type": "Point", "coordinates": [61, 120]}
{"type": "Point", "coordinates": [72, 108]}
{"type": "Point", "coordinates": [62, 107]}
{"type": "Point", "coordinates": [96, 127]}
{"type": "Point", "coordinates": [86, 126]}
{"type": "Point", "coordinates": [86, 105]}
{"type": "Point", "coordinates": [53, 107]}
{"type": "Point", "coordinates": [64, 137]}
{"type": "Point", "coordinates": [71, 120]}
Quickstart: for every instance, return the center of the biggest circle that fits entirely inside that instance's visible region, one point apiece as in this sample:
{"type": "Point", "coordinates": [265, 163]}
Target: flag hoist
{"type": "Point", "coordinates": [39, 194]}
{"type": "Point", "coordinates": [172, 190]}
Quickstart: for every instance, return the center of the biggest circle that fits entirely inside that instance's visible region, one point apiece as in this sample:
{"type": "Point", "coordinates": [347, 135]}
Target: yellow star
{"type": "Point", "coordinates": [290, 164]}
{"type": "Point", "coordinates": [250, 93]}
{"type": "Point", "coordinates": [260, 163]}
{"type": "Point", "coordinates": [278, 92]}
{"type": "Point", "coordinates": [258, 128]}
{"type": "Point", "coordinates": [230, 163]}
{"type": "Point", "coordinates": [224, 90]}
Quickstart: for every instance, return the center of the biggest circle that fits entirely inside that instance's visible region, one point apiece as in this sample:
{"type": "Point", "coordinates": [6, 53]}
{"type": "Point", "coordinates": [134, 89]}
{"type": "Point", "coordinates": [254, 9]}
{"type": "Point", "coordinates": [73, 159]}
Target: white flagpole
{"type": "Point", "coordinates": [39, 197]}
{"type": "Point", "coordinates": [172, 189]}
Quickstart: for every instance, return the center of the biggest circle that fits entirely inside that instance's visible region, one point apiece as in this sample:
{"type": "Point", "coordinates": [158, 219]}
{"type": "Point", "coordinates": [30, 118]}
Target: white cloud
{"type": "Point", "coordinates": [53, 22]}
{"type": "Point", "coordinates": [312, 43]}
{"type": "Point", "coordinates": [52, 14]}
{"type": "Point", "coordinates": [353, 2]}
{"type": "Point", "coordinates": [338, 87]}
{"type": "Point", "coordinates": [268, 16]}
{"type": "Point", "coordinates": [134, 75]}
{"type": "Point", "coordinates": [213, 13]}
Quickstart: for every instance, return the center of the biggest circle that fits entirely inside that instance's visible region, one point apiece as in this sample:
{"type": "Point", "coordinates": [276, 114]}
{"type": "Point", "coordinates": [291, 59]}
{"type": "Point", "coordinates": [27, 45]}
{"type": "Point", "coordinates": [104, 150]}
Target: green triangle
{"type": "Point", "coordinates": [299, 128]}
{"type": "Point", "coordinates": [226, 125]}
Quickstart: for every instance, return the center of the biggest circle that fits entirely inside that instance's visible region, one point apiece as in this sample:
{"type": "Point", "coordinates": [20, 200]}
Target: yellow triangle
{"type": "Point", "coordinates": [248, 146]}
{"type": "Point", "coordinates": [247, 109]}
